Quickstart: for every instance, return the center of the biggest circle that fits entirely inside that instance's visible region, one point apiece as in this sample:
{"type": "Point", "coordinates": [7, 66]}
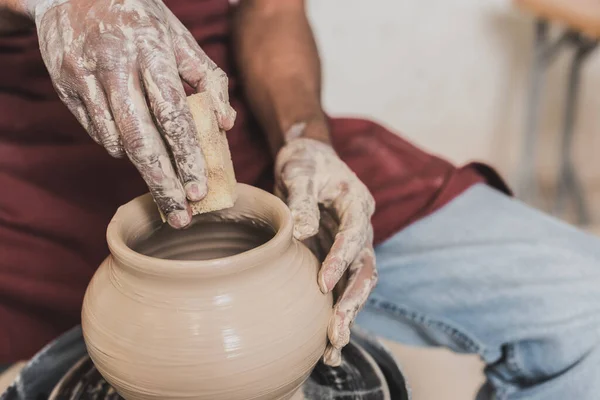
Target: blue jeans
{"type": "Point", "coordinates": [487, 274]}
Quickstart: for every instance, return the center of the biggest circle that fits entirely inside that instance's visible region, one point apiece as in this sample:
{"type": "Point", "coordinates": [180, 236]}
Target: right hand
{"type": "Point", "coordinates": [332, 212]}
{"type": "Point", "coordinates": [118, 65]}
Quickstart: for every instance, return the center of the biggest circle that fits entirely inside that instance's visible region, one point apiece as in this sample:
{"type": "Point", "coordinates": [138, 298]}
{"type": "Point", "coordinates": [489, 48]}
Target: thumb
{"type": "Point", "coordinates": [303, 203]}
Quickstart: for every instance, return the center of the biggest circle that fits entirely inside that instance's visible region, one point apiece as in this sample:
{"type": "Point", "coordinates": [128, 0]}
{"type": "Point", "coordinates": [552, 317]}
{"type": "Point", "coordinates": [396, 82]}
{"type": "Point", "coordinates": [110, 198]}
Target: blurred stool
{"type": "Point", "coordinates": [581, 19]}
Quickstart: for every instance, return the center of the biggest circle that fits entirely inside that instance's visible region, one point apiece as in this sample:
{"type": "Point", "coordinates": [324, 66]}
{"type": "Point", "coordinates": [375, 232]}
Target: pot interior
{"type": "Point", "coordinates": [206, 239]}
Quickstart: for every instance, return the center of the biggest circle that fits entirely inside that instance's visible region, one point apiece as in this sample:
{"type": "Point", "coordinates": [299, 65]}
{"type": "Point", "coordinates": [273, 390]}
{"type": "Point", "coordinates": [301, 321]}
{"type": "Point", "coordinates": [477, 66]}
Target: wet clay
{"type": "Point", "coordinates": [228, 309]}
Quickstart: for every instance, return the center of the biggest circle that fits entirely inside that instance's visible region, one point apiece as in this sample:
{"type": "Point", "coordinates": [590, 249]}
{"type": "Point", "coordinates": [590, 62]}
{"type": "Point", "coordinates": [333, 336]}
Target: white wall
{"type": "Point", "coordinates": [449, 74]}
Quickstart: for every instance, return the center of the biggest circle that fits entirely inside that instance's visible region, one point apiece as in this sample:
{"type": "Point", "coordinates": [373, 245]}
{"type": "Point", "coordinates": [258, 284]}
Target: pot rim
{"type": "Point", "coordinates": [138, 217]}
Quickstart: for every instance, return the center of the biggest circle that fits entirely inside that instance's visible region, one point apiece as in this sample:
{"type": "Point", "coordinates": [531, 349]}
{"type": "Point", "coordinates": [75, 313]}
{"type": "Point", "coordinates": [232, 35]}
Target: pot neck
{"type": "Point", "coordinates": [138, 219]}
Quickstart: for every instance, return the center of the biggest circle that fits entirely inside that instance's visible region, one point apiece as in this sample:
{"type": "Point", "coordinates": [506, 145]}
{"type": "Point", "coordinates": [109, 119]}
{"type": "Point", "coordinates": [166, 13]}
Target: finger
{"type": "Point", "coordinates": [348, 242]}
{"type": "Point", "coordinates": [217, 85]}
{"type": "Point", "coordinates": [168, 103]}
{"type": "Point", "coordinates": [146, 149]}
{"type": "Point", "coordinates": [332, 356]}
{"type": "Point", "coordinates": [362, 278]}
{"type": "Point", "coordinates": [102, 120]}
{"type": "Point", "coordinates": [299, 181]}
{"type": "Point", "coordinates": [201, 73]}
{"type": "Point", "coordinates": [78, 109]}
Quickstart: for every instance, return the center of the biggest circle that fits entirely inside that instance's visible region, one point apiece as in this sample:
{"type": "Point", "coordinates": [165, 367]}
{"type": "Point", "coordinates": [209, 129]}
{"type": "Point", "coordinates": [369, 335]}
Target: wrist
{"type": "Point", "coordinates": [315, 128]}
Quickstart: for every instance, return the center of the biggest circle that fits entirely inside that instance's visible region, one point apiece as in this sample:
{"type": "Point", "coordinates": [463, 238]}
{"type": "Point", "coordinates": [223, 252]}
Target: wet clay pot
{"type": "Point", "coordinates": [227, 309]}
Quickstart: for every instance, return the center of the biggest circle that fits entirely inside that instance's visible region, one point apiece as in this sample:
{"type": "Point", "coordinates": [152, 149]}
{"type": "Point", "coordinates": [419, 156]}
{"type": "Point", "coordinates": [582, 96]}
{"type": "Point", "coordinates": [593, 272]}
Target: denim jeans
{"type": "Point", "coordinates": [489, 275]}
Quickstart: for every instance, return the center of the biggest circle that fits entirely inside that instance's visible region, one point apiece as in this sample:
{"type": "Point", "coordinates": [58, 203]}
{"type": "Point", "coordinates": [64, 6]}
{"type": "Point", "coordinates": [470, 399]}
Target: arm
{"type": "Point", "coordinates": [280, 69]}
{"type": "Point", "coordinates": [12, 17]}
{"type": "Point", "coordinates": [16, 6]}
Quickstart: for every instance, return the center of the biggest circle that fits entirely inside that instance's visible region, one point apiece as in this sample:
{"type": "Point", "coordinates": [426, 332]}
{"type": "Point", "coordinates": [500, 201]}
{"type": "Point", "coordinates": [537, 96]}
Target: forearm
{"type": "Point", "coordinates": [14, 6]}
{"type": "Point", "coordinates": [280, 67]}
{"type": "Point", "coordinates": [13, 16]}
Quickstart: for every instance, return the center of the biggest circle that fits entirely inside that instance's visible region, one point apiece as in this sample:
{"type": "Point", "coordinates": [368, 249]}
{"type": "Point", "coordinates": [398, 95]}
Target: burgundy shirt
{"type": "Point", "coordinates": [58, 189]}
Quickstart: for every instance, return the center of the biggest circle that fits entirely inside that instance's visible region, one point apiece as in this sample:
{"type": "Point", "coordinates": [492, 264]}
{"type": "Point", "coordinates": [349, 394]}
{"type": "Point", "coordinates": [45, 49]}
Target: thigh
{"type": "Point", "coordinates": [486, 272]}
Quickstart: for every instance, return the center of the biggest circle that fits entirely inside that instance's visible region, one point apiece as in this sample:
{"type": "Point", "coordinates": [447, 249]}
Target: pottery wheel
{"type": "Point", "coordinates": [358, 378]}
{"type": "Point", "coordinates": [62, 370]}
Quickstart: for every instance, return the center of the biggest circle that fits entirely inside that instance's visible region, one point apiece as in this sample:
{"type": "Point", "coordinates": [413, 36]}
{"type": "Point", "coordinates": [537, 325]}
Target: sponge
{"type": "Point", "coordinates": [219, 167]}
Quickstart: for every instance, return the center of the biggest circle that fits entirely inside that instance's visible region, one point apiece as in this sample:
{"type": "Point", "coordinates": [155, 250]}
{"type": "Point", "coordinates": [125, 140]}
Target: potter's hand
{"type": "Point", "coordinates": [332, 208]}
{"type": "Point", "coordinates": [117, 64]}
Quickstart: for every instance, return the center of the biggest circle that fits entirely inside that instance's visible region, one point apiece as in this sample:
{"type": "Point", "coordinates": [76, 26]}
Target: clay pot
{"type": "Point", "coordinates": [227, 309]}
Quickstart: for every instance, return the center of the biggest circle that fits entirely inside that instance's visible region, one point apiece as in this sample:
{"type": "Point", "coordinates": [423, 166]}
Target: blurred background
{"type": "Point", "coordinates": [453, 77]}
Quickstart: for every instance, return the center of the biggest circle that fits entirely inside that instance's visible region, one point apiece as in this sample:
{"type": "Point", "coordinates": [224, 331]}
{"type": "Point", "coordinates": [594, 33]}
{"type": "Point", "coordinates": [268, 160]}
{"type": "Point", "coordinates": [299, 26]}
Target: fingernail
{"type": "Point", "coordinates": [302, 231]}
{"type": "Point", "coordinates": [179, 218]}
{"type": "Point", "coordinates": [227, 118]}
{"type": "Point", "coordinates": [330, 281]}
{"type": "Point", "coordinates": [332, 356]}
{"type": "Point", "coordinates": [332, 332]}
{"type": "Point", "coordinates": [330, 277]}
{"type": "Point", "coordinates": [327, 279]}
{"type": "Point", "coordinates": [303, 226]}
{"type": "Point", "coordinates": [337, 332]}
{"type": "Point", "coordinates": [195, 191]}
{"type": "Point", "coordinates": [322, 284]}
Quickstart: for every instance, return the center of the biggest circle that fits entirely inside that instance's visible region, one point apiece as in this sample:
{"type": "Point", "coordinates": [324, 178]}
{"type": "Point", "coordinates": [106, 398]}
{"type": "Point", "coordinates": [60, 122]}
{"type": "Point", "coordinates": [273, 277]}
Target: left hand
{"type": "Point", "coordinates": [332, 212]}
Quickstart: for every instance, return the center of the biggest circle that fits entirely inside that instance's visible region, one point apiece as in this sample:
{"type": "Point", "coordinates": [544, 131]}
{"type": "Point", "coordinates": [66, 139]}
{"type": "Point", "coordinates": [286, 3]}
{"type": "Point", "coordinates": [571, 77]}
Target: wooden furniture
{"type": "Point", "coordinates": [580, 15]}
{"type": "Point", "coordinates": [581, 22]}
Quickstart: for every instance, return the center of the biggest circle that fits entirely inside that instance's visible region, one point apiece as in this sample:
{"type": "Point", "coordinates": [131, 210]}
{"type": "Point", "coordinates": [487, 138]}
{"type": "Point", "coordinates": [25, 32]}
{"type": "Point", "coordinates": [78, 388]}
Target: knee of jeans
{"type": "Point", "coordinates": [530, 362]}
{"type": "Point", "coordinates": [409, 326]}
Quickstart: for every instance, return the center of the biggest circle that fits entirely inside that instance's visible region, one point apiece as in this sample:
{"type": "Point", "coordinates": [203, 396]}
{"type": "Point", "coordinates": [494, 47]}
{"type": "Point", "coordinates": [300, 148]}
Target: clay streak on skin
{"type": "Point", "coordinates": [310, 175]}
{"type": "Point", "coordinates": [137, 51]}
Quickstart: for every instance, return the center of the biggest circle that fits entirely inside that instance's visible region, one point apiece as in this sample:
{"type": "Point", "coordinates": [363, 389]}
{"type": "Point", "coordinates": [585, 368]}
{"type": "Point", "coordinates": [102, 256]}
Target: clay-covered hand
{"type": "Point", "coordinates": [332, 212]}
{"type": "Point", "coordinates": [118, 65]}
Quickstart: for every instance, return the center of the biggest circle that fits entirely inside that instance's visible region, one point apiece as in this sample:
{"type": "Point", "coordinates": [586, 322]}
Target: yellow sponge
{"type": "Point", "coordinates": [219, 167]}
